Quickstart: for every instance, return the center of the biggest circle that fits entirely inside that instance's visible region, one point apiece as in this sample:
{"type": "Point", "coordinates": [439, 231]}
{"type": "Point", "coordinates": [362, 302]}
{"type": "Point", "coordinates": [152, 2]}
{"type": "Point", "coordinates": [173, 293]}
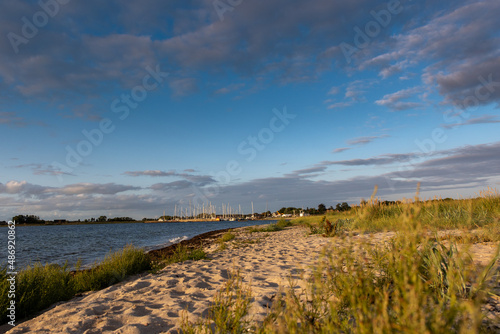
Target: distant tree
{"type": "Point", "coordinates": [28, 219]}
{"type": "Point", "coordinates": [289, 210]}
{"type": "Point", "coordinates": [342, 207]}
{"type": "Point", "coordinates": [321, 208]}
{"type": "Point", "coordinates": [121, 219]}
{"type": "Point", "coordinates": [102, 219]}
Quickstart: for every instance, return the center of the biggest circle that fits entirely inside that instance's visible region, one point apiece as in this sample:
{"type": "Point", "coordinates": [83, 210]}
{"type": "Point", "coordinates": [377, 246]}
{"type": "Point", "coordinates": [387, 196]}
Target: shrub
{"type": "Point", "coordinates": [228, 236]}
{"type": "Point", "coordinates": [282, 223]}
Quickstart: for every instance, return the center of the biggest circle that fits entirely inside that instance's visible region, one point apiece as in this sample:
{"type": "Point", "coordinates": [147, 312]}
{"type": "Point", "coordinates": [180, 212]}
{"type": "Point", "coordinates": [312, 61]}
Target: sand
{"type": "Point", "coordinates": [153, 303]}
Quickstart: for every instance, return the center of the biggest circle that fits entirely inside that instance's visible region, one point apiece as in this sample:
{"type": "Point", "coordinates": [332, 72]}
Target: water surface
{"type": "Point", "coordinates": [90, 243]}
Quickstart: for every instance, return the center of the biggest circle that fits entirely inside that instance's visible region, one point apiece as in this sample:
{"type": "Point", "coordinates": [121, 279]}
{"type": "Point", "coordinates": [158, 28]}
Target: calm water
{"type": "Point", "coordinates": [90, 243]}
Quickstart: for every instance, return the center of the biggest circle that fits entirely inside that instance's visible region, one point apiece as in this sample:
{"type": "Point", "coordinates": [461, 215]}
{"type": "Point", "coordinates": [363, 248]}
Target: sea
{"type": "Point", "coordinates": [61, 244]}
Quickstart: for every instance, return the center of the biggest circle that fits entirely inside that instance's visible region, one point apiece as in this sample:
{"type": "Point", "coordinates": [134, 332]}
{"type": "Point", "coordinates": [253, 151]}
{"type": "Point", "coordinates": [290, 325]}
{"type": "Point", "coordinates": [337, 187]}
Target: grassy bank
{"type": "Point", "coordinates": [415, 283]}
{"type": "Point", "coordinates": [39, 286]}
{"type": "Point", "coordinates": [434, 214]}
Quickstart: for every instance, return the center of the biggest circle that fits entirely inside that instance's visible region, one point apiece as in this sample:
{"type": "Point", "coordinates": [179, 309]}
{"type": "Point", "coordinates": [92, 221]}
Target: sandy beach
{"type": "Point", "coordinates": [153, 303]}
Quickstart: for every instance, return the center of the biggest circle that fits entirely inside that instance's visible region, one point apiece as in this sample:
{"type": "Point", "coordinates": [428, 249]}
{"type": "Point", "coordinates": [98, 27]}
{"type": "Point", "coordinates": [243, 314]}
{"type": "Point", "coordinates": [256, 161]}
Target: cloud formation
{"type": "Point", "coordinates": [365, 140]}
{"type": "Point", "coordinates": [394, 101]}
{"type": "Point", "coordinates": [199, 180]}
{"type": "Point", "coordinates": [448, 170]}
{"type": "Point", "coordinates": [485, 119]}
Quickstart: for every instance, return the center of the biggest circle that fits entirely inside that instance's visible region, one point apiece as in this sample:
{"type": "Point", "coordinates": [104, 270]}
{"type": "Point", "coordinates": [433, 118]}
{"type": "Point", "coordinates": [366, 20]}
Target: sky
{"type": "Point", "coordinates": [124, 108]}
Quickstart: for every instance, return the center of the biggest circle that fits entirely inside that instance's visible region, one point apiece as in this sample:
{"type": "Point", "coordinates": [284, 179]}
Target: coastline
{"type": "Point", "coordinates": [204, 239]}
{"type": "Point", "coordinates": [155, 303]}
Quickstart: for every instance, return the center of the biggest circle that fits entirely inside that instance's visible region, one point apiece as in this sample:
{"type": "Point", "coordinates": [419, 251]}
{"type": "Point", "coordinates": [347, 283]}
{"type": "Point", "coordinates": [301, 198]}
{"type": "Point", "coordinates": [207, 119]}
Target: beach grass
{"type": "Point", "coordinates": [228, 236]}
{"type": "Point", "coordinates": [38, 286]}
{"type": "Point", "coordinates": [183, 253]}
{"type": "Point", "coordinates": [113, 269]}
{"type": "Point", "coordinates": [414, 283]}
{"type": "Point", "coordinates": [420, 281]}
{"type": "Point", "coordinates": [227, 313]}
{"type": "Point", "coordinates": [280, 225]}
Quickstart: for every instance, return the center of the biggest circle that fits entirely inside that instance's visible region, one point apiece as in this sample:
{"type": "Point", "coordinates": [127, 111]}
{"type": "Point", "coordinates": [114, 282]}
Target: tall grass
{"type": "Point", "coordinates": [413, 283]}
{"type": "Point", "coordinates": [39, 286]}
{"type": "Point", "coordinates": [280, 225]}
{"type": "Point", "coordinates": [113, 269]}
{"type": "Point", "coordinates": [436, 213]}
{"type": "Point", "coordinates": [410, 285]}
{"type": "Point", "coordinates": [228, 311]}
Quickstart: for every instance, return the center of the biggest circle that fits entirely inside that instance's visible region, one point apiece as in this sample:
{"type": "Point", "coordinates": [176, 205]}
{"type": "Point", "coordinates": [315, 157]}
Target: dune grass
{"type": "Point", "coordinates": [113, 269]}
{"type": "Point", "coordinates": [228, 236]}
{"type": "Point", "coordinates": [228, 311]}
{"type": "Point", "coordinates": [415, 283]}
{"type": "Point", "coordinates": [435, 213]}
{"type": "Point", "coordinates": [280, 225]}
{"type": "Point", "coordinates": [38, 286]}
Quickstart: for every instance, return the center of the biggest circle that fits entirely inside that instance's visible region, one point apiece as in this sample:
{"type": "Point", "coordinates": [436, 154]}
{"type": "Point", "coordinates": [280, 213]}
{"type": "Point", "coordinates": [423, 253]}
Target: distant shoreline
{"type": "Point", "coordinates": [136, 221]}
{"type": "Point", "coordinates": [79, 223]}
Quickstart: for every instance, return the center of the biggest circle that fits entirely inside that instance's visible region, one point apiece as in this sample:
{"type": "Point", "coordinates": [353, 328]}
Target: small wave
{"type": "Point", "coordinates": [178, 239]}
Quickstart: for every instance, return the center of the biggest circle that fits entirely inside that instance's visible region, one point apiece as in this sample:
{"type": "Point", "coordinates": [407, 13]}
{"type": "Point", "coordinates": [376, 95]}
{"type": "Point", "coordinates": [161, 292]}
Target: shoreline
{"type": "Point", "coordinates": [174, 285]}
{"type": "Point", "coordinates": [148, 246]}
{"type": "Point", "coordinates": [204, 239]}
{"type": "Point", "coordinates": [155, 303]}
{"type": "Point", "coordinates": [144, 222]}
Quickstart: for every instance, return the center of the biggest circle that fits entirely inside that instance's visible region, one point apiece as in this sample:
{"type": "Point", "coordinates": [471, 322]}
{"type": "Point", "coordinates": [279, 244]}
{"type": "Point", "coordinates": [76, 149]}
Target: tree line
{"type": "Point", "coordinates": [321, 209]}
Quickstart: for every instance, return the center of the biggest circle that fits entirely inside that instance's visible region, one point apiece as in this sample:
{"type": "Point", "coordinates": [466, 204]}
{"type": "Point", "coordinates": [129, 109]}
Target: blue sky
{"type": "Point", "coordinates": [128, 109]}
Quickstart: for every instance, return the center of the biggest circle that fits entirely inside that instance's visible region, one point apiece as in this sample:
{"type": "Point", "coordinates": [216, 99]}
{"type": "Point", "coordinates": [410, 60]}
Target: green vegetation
{"type": "Point", "coordinates": [181, 253]}
{"type": "Point", "coordinates": [439, 214]}
{"type": "Point", "coordinates": [436, 213]}
{"type": "Point", "coordinates": [227, 313]}
{"type": "Point", "coordinates": [228, 236]}
{"type": "Point", "coordinates": [328, 229]}
{"type": "Point", "coordinates": [278, 226]}
{"type": "Point", "coordinates": [420, 281]}
{"type": "Point", "coordinates": [39, 286]}
{"type": "Point", "coordinates": [414, 283]}
{"type": "Point", "coordinates": [28, 219]}
{"type": "Point", "coordinates": [399, 287]}
{"type": "Point", "coordinates": [115, 268]}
